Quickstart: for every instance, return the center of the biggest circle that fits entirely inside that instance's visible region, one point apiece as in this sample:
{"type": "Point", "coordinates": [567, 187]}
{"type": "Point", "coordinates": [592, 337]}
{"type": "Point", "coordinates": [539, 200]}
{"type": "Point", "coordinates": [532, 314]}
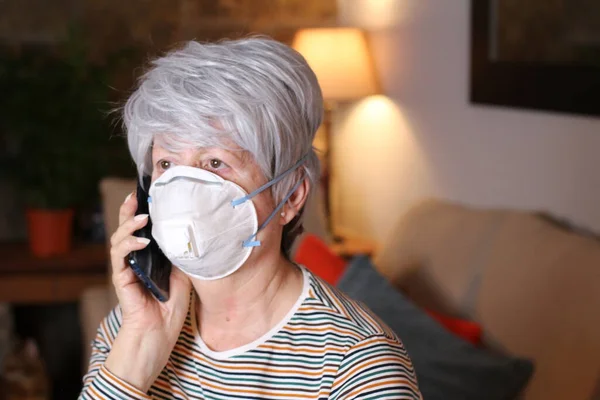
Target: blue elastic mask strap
{"type": "Point", "coordinates": [267, 185]}
{"type": "Point", "coordinates": [254, 243]}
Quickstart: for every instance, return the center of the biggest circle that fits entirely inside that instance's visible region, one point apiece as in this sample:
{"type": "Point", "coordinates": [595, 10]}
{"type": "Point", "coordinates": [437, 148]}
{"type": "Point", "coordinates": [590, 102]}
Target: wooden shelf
{"type": "Point", "coordinates": [26, 279]}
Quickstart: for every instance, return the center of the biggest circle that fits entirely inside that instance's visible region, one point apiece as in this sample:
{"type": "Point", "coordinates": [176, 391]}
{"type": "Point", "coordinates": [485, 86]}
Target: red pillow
{"type": "Point", "coordinates": [315, 255]}
{"type": "Point", "coordinates": [468, 330]}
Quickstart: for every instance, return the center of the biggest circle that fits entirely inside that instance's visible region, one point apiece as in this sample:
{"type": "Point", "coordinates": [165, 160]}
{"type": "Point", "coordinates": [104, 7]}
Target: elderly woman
{"type": "Point", "coordinates": [226, 130]}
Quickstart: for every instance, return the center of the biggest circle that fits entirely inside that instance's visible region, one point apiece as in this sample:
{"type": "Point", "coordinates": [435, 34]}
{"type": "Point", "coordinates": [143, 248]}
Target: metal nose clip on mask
{"type": "Point", "coordinates": [204, 224]}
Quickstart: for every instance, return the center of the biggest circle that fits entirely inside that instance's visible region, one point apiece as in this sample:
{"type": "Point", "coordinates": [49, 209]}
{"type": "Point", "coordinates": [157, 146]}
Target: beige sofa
{"type": "Point", "coordinates": [534, 287]}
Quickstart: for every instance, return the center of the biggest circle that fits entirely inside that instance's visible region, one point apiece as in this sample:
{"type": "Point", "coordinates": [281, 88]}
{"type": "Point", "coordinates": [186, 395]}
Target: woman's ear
{"type": "Point", "coordinates": [295, 202]}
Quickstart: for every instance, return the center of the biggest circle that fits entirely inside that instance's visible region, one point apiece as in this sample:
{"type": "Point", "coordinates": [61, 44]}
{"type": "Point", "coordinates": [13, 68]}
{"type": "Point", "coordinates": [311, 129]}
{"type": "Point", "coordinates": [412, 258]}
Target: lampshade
{"type": "Point", "coordinates": [341, 61]}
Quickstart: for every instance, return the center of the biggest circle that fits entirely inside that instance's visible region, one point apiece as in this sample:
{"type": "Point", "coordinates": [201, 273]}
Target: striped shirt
{"type": "Point", "coordinates": [327, 347]}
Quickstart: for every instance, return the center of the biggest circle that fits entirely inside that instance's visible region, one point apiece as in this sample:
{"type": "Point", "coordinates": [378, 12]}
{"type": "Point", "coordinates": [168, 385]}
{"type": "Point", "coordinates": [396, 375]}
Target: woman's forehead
{"type": "Point", "coordinates": [177, 144]}
{"type": "Point", "coordinates": [191, 149]}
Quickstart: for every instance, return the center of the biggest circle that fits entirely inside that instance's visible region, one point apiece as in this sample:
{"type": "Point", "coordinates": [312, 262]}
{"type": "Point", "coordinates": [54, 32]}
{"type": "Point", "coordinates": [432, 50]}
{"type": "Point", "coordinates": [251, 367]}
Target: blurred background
{"type": "Point", "coordinates": [487, 106]}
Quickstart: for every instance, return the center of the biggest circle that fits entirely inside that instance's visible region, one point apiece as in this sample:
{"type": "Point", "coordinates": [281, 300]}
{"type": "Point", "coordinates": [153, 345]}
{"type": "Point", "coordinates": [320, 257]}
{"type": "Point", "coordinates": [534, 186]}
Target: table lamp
{"type": "Point", "coordinates": [341, 60]}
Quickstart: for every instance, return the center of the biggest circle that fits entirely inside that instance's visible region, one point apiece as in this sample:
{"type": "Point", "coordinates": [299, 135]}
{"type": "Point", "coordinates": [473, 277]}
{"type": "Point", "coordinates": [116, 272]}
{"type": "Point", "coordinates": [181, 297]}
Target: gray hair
{"type": "Point", "coordinates": [256, 92]}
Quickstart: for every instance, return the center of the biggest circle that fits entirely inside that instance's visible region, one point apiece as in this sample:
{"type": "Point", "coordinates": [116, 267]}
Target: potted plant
{"type": "Point", "coordinates": [59, 137]}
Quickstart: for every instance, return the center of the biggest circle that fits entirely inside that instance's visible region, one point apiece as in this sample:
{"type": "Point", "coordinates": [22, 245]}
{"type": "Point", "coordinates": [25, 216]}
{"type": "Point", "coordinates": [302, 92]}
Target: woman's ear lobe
{"type": "Point", "coordinates": [299, 197]}
{"type": "Point", "coordinates": [296, 202]}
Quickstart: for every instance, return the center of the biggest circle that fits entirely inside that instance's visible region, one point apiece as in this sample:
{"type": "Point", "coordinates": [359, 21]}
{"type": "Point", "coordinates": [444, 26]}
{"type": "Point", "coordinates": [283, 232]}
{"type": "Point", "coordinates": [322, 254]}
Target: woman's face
{"type": "Point", "coordinates": [236, 165]}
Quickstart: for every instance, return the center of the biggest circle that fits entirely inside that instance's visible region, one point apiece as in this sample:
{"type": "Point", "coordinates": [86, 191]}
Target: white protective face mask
{"type": "Point", "coordinates": [204, 224]}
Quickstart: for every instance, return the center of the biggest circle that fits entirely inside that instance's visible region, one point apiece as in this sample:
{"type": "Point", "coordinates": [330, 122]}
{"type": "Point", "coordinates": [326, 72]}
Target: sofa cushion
{"type": "Point", "coordinates": [315, 255]}
{"type": "Point", "coordinates": [435, 253]}
{"type": "Point", "coordinates": [468, 330]}
{"type": "Point", "coordinates": [447, 367]}
{"type": "Point", "coordinates": [539, 298]}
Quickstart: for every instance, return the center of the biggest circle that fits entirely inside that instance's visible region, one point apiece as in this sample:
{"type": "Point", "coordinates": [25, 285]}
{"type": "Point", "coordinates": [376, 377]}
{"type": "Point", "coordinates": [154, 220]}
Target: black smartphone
{"type": "Point", "coordinates": [150, 264]}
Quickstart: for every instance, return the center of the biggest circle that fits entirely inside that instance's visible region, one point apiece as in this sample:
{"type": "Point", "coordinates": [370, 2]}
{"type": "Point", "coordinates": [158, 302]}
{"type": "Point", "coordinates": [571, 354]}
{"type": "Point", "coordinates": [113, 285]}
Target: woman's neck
{"type": "Point", "coordinates": [239, 309]}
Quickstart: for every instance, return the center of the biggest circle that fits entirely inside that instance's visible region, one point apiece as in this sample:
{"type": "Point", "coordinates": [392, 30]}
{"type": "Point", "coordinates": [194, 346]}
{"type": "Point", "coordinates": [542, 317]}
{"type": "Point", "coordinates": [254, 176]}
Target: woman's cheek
{"type": "Point", "coordinates": [264, 205]}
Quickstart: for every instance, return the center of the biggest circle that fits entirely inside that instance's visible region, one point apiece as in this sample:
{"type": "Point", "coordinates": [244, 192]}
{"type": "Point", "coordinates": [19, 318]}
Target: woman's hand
{"type": "Point", "coordinates": [149, 328]}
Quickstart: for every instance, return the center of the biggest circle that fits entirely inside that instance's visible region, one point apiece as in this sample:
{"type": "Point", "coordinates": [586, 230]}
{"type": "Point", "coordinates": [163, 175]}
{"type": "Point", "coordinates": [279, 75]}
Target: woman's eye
{"type": "Point", "coordinates": [216, 163]}
{"type": "Point", "coordinates": [164, 165]}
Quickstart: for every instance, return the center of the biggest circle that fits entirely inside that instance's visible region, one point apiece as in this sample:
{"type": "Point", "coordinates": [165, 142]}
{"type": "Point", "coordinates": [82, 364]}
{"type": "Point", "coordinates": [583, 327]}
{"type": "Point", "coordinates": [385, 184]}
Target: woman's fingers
{"type": "Point", "coordinates": [119, 251]}
{"type": "Point", "coordinates": [123, 243]}
{"type": "Point", "coordinates": [128, 227]}
{"type": "Point", "coordinates": [128, 208]}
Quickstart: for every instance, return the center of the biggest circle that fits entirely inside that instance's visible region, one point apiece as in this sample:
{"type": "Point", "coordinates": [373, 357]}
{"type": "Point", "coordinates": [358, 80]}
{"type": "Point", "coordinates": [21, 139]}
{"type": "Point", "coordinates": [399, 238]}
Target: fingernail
{"type": "Point", "coordinates": [143, 240]}
{"type": "Point", "coordinates": [140, 217]}
{"type": "Point", "coordinates": [128, 197]}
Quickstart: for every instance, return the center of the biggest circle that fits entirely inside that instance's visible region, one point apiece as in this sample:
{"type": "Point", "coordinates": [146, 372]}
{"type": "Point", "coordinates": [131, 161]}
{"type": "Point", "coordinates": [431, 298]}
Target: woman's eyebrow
{"type": "Point", "coordinates": [219, 152]}
{"type": "Point", "coordinates": [239, 155]}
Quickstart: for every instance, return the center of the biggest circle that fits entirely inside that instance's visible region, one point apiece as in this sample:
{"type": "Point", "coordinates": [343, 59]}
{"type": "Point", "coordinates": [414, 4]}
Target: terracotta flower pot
{"type": "Point", "coordinates": [50, 231]}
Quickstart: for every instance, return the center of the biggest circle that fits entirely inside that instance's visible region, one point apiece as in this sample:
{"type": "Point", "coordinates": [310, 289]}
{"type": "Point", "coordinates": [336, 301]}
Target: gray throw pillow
{"type": "Point", "coordinates": [447, 366]}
